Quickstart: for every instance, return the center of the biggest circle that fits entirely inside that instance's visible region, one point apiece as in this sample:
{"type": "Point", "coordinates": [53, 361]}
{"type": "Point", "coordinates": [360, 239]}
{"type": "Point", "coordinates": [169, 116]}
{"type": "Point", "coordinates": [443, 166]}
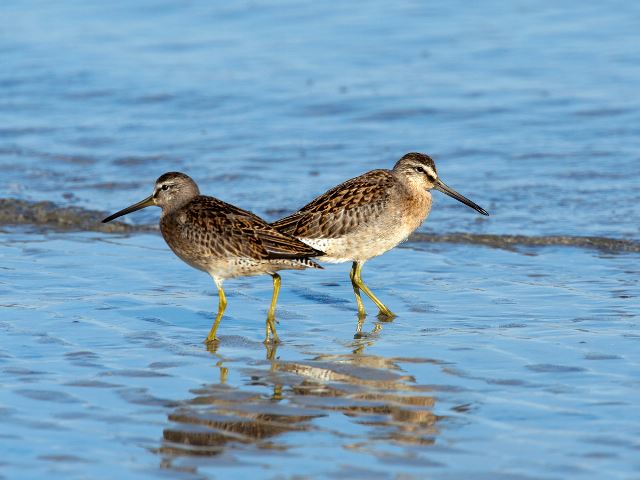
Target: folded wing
{"type": "Point", "coordinates": [226, 230]}
{"type": "Point", "coordinates": [340, 209]}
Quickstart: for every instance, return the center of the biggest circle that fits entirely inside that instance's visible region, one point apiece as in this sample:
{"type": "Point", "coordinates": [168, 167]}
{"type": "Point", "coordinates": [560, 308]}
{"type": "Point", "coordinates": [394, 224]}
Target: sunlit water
{"type": "Point", "coordinates": [500, 364]}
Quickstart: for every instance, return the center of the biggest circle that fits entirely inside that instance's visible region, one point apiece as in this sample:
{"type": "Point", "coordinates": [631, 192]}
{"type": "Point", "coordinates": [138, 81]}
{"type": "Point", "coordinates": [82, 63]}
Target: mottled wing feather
{"type": "Point", "coordinates": [279, 245]}
{"type": "Point", "coordinates": [341, 209]}
{"type": "Point", "coordinates": [226, 230]}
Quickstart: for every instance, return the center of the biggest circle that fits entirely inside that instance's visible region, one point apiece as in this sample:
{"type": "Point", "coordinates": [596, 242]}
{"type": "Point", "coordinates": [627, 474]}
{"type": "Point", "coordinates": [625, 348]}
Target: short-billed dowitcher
{"type": "Point", "coordinates": [221, 239]}
{"type": "Point", "coordinates": [368, 215]}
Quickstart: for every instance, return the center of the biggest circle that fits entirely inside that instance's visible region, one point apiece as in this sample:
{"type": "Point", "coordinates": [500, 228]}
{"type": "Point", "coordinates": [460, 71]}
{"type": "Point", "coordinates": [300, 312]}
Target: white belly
{"type": "Point", "coordinates": [367, 243]}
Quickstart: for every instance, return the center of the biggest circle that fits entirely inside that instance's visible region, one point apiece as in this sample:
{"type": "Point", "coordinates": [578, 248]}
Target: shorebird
{"type": "Point", "coordinates": [222, 240]}
{"type": "Point", "coordinates": [368, 215]}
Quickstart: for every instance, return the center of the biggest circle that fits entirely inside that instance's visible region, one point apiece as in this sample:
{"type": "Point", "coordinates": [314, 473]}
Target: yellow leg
{"type": "Point", "coordinates": [359, 327]}
{"type": "Point", "coordinates": [222, 304]}
{"type": "Point", "coordinates": [357, 275]}
{"type": "Point", "coordinates": [271, 316]}
{"type": "Point", "coordinates": [224, 372]}
{"type": "Point", "coordinates": [272, 350]}
{"type": "Point", "coordinates": [356, 290]}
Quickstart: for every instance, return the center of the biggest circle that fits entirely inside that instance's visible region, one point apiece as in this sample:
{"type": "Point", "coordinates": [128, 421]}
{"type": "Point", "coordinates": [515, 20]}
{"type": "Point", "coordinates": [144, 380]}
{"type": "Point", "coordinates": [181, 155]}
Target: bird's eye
{"type": "Point", "coordinates": [165, 187]}
{"type": "Point", "coordinates": [420, 170]}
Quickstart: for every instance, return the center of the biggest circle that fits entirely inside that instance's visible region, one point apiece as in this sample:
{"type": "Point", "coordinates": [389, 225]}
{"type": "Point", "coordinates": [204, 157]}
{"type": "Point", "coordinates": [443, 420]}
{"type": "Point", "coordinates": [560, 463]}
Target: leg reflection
{"type": "Point", "coordinates": [269, 396]}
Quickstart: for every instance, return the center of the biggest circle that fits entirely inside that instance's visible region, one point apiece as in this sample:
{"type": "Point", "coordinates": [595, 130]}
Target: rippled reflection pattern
{"type": "Point", "coordinates": [372, 392]}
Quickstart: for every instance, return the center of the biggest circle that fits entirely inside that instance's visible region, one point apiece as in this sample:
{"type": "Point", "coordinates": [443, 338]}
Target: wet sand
{"type": "Point", "coordinates": [43, 216]}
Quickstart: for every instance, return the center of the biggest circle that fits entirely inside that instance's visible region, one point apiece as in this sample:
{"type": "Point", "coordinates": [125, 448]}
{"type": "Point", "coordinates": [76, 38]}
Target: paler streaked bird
{"type": "Point", "coordinates": [222, 240]}
{"type": "Point", "coordinates": [369, 215]}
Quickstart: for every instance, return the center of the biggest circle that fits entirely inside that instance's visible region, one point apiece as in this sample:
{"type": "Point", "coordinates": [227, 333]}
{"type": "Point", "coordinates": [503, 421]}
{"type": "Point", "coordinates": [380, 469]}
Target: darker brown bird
{"type": "Point", "coordinates": [222, 240]}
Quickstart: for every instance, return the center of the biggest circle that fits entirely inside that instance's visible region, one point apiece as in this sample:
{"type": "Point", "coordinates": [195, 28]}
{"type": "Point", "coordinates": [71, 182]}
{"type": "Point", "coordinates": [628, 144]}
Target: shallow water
{"type": "Point", "coordinates": [528, 359]}
{"type": "Point", "coordinates": [519, 363]}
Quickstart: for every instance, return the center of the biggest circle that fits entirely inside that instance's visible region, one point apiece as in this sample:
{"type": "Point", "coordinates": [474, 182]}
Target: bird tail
{"type": "Point", "coordinates": [311, 264]}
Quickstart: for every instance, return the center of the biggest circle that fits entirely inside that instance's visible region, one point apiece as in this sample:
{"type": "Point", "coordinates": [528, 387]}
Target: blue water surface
{"type": "Point", "coordinates": [501, 364]}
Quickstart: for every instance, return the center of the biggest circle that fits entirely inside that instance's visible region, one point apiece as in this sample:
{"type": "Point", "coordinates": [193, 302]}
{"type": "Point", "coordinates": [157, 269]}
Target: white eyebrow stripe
{"type": "Point", "coordinates": [430, 171]}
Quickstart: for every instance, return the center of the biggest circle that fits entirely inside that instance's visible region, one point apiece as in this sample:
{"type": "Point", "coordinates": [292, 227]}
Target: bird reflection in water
{"type": "Point", "coordinates": [276, 397]}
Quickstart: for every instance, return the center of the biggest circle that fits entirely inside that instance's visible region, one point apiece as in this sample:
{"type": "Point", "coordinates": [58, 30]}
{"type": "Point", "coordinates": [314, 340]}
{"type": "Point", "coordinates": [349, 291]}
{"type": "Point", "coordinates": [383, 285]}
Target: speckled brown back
{"type": "Point", "coordinates": [208, 227]}
{"type": "Point", "coordinates": [339, 210]}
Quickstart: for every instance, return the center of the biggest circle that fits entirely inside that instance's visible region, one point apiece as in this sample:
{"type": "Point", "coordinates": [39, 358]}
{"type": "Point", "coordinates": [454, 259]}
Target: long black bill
{"type": "Point", "coordinates": [147, 202]}
{"type": "Point", "coordinates": [442, 187]}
